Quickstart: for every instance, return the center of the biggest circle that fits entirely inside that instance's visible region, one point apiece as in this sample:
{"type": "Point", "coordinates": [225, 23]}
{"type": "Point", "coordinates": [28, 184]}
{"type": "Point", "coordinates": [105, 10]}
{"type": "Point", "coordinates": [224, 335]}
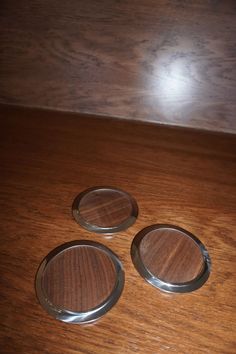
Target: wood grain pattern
{"type": "Point", "coordinates": [178, 176]}
{"type": "Point", "coordinates": [171, 255]}
{"type": "Point", "coordinates": [156, 60]}
{"type": "Point", "coordinates": [79, 278]}
{"type": "Point", "coordinates": [105, 207]}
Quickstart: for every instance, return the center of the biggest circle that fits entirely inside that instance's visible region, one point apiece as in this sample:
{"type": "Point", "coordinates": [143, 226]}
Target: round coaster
{"type": "Point", "coordinates": [105, 210]}
{"type": "Point", "coordinates": [170, 258]}
{"type": "Point", "coordinates": [79, 281]}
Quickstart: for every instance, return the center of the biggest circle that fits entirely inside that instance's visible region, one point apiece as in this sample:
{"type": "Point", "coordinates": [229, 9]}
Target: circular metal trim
{"type": "Point", "coordinates": [159, 283]}
{"type": "Point", "coordinates": [99, 229]}
{"type": "Point", "coordinates": [94, 313]}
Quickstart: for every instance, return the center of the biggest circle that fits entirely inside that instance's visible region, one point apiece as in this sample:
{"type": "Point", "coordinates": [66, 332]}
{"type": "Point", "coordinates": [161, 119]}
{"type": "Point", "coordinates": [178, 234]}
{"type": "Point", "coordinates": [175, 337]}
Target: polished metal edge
{"type": "Point", "coordinates": [93, 314]}
{"type": "Point", "coordinates": [104, 230]}
{"type": "Point", "coordinates": [159, 283]}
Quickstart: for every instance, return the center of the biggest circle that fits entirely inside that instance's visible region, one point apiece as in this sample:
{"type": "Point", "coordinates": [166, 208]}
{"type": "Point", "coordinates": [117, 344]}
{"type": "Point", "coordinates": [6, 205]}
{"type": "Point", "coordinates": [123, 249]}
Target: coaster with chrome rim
{"type": "Point", "coordinates": [105, 209]}
{"type": "Point", "coordinates": [79, 282]}
{"type": "Point", "coordinates": [170, 258]}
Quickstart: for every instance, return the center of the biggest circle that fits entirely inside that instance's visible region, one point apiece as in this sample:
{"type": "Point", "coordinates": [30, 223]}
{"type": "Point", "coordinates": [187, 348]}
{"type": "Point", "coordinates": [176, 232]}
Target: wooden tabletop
{"type": "Point", "coordinates": [155, 60]}
{"type": "Point", "coordinates": [181, 177]}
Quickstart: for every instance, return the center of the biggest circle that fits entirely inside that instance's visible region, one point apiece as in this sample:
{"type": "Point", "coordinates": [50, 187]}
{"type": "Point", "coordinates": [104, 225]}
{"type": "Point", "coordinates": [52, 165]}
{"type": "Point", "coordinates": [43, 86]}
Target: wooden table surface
{"type": "Point", "coordinates": [170, 61]}
{"type": "Point", "coordinates": [178, 176]}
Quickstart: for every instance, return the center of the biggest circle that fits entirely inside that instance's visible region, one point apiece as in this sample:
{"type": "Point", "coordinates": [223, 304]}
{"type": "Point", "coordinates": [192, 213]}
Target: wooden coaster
{"type": "Point", "coordinates": [170, 258]}
{"type": "Point", "coordinates": [79, 281]}
{"type": "Point", "coordinates": [105, 210]}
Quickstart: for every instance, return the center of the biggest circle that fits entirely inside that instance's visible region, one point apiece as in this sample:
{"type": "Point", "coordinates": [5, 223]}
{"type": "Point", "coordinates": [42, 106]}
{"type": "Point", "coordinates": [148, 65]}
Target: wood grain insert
{"type": "Point", "coordinates": [105, 207]}
{"type": "Point", "coordinates": [79, 278]}
{"type": "Point", "coordinates": [171, 255]}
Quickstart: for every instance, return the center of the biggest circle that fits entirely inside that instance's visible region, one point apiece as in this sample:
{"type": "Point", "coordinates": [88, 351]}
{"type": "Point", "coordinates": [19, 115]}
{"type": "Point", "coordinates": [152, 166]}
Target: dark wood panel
{"type": "Point", "coordinates": [181, 177]}
{"type": "Point", "coordinates": [79, 279]}
{"type": "Point", "coordinates": [104, 208]}
{"type": "Point", "coordinates": [155, 60]}
{"type": "Point", "coordinates": [171, 256]}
